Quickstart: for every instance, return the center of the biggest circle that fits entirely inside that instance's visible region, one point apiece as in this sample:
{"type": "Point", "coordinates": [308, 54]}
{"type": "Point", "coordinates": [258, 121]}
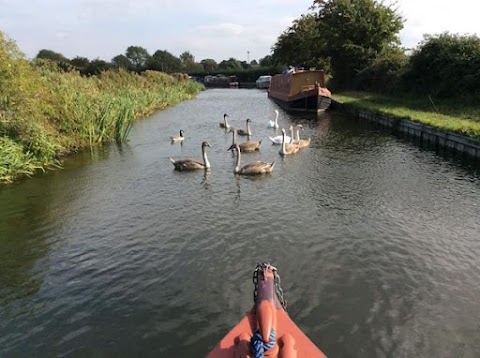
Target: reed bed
{"type": "Point", "coordinates": [46, 113]}
{"type": "Point", "coordinates": [15, 161]}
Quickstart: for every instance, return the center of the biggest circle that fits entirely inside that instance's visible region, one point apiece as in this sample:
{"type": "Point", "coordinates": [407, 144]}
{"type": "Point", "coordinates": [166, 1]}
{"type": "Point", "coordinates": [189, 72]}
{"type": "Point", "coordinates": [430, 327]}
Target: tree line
{"type": "Point", "coordinates": [138, 59]}
{"type": "Point", "coordinates": [356, 42]}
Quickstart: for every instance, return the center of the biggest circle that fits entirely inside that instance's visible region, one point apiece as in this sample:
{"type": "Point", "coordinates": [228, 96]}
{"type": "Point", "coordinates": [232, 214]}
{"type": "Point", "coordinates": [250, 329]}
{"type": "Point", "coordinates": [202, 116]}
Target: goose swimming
{"type": "Point", "coordinates": [225, 123]}
{"type": "Point", "coordinates": [274, 123]}
{"type": "Point", "coordinates": [253, 168]}
{"type": "Point", "coordinates": [249, 146]}
{"type": "Point", "coordinates": [190, 164]}
{"type": "Point", "coordinates": [178, 138]}
{"type": "Point", "coordinates": [245, 132]}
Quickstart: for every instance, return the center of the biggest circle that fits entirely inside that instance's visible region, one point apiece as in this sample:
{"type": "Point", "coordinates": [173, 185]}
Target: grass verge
{"type": "Point", "coordinates": [448, 115]}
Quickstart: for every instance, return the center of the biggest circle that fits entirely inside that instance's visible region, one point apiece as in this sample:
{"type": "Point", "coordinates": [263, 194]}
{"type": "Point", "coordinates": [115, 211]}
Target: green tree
{"type": "Point", "coordinates": [301, 45]}
{"type": "Point", "coordinates": [188, 63]}
{"type": "Point", "coordinates": [209, 65]}
{"type": "Point", "coordinates": [266, 61]}
{"type": "Point", "coordinates": [138, 56]}
{"type": "Point", "coordinates": [385, 73]}
{"type": "Point", "coordinates": [96, 67]}
{"type": "Point", "coordinates": [122, 61]}
{"type": "Point", "coordinates": [80, 63]}
{"type": "Point", "coordinates": [446, 65]}
{"type": "Point", "coordinates": [355, 33]}
{"type": "Point", "coordinates": [51, 55]}
{"type": "Point", "coordinates": [164, 61]}
{"type": "Point", "coordinates": [230, 64]}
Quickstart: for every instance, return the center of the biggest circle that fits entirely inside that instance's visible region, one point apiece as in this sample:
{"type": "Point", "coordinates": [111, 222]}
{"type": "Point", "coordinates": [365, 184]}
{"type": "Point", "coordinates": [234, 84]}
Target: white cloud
{"type": "Point", "coordinates": [435, 17]}
{"type": "Point", "coordinates": [210, 28]}
{"type": "Point", "coordinates": [61, 34]}
{"type": "Point", "coordinates": [219, 30]}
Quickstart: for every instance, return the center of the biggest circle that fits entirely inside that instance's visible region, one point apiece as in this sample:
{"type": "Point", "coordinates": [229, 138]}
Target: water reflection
{"type": "Point", "coordinates": [121, 148]}
{"type": "Point", "coordinates": [204, 182]}
{"type": "Point", "coordinates": [23, 221]}
{"type": "Point", "coordinates": [30, 215]}
{"type": "Point", "coordinates": [238, 187]}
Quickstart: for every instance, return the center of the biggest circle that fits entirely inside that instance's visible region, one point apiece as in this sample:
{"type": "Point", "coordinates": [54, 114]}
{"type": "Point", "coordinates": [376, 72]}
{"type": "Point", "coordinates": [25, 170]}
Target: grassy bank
{"type": "Point", "coordinates": [46, 113]}
{"type": "Point", "coordinates": [449, 115]}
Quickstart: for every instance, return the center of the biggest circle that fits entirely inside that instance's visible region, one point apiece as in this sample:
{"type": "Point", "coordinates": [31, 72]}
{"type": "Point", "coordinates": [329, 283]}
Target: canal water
{"type": "Point", "coordinates": [377, 241]}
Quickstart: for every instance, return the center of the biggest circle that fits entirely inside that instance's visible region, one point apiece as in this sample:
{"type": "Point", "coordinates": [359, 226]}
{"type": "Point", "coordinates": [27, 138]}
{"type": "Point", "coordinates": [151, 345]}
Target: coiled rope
{"type": "Point", "coordinates": [258, 346]}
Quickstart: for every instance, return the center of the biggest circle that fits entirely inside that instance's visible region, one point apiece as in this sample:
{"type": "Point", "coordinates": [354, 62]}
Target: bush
{"type": "Point", "coordinates": [445, 65]}
{"type": "Point", "coordinates": [46, 112]}
{"type": "Point", "coordinates": [385, 74]}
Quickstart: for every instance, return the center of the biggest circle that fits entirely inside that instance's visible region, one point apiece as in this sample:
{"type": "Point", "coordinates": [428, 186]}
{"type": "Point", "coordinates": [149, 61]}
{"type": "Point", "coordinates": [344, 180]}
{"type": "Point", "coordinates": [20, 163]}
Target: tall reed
{"type": "Point", "coordinates": [15, 161]}
{"type": "Point", "coordinates": [46, 114]}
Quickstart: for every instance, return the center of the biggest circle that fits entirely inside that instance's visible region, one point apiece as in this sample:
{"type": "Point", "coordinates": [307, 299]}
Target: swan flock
{"type": "Point", "coordinates": [289, 145]}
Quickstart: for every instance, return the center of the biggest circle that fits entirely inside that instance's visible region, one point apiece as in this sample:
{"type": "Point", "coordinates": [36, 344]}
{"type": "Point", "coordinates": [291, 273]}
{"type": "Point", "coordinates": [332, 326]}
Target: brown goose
{"type": "Point", "coordinates": [249, 146]}
{"type": "Point", "coordinates": [253, 168]}
{"type": "Point", "coordinates": [245, 132]}
{"type": "Point", "coordinates": [288, 149]}
{"type": "Point", "coordinates": [190, 164]}
{"type": "Point", "coordinates": [178, 138]}
{"type": "Point", "coordinates": [225, 123]}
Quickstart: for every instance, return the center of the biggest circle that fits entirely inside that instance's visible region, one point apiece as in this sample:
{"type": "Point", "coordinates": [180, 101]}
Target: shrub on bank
{"type": "Point", "coordinates": [46, 113]}
{"type": "Point", "coordinates": [446, 65]}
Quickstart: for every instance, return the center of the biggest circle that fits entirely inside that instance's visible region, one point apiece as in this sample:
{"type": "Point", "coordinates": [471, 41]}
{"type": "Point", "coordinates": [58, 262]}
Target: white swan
{"type": "Point", "coordinates": [253, 168]}
{"type": "Point", "coordinates": [273, 123]}
{"type": "Point", "coordinates": [279, 138]}
{"type": "Point", "coordinates": [190, 164]}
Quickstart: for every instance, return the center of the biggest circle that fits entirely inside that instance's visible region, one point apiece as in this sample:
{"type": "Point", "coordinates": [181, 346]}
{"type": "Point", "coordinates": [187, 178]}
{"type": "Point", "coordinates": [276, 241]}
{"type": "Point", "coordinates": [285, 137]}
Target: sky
{"type": "Point", "coordinates": [245, 30]}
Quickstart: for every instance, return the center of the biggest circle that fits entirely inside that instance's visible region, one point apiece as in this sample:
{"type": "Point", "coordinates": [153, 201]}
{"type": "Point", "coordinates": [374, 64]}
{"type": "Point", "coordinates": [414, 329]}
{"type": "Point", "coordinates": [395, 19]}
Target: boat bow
{"type": "Point", "coordinates": [267, 330]}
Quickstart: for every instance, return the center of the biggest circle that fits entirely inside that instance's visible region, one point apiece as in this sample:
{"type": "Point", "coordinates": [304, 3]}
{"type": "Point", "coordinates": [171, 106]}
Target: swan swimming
{"type": "Point", "coordinates": [253, 168]}
{"type": "Point", "coordinates": [302, 143]}
{"type": "Point", "coordinates": [190, 164]}
{"type": "Point", "coordinates": [279, 138]}
{"type": "Point", "coordinates": [225, 123]}
{"type": "Point", "coordinates": [286, 148]}
{"type": "Point", "coordinates": [249, 146]}
{"type": "Point", "coordinates": [244, 132]}
{"type": "Point", "coordinates": [274, 123]}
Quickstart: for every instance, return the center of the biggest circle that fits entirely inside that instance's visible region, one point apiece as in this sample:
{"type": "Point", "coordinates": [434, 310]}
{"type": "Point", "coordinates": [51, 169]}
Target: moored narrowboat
{"type": "Point", "coordinates": [302, 91]}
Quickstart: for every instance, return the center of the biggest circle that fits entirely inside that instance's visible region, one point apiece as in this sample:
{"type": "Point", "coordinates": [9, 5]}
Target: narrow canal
{"type": "Point", "coordinates": [376, 240]}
